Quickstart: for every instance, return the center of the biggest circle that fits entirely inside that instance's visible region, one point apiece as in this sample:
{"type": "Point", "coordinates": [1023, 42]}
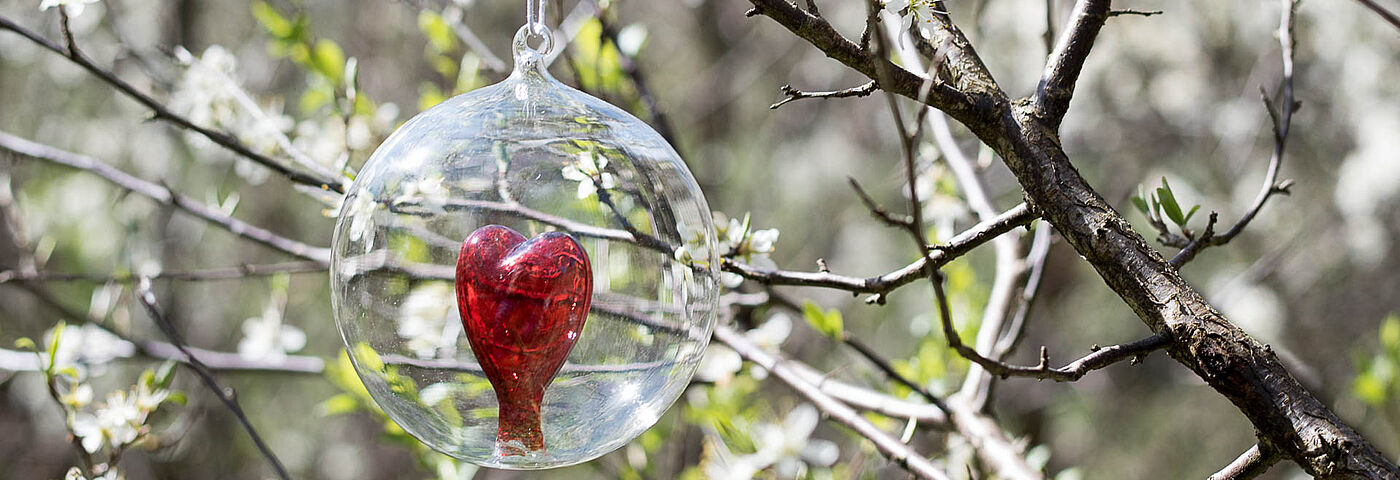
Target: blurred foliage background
{"type": "Point", "coordinates": [1173, 95]}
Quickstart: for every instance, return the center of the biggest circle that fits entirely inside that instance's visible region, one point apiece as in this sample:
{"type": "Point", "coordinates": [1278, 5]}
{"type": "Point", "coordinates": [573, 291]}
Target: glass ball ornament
{"type": "Point", "coordinates": [525, 276]}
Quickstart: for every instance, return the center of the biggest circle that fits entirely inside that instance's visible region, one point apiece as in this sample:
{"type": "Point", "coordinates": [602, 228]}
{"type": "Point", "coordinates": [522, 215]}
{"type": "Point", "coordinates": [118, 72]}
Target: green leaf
{"type": "Point", "coordinates": [178, 397]}
{"type": "Point", "coordinates": [1369, 389]}
{"type": "Point", "coordinates": [1140, 200]}
{"type": "Point", "coordinates": [1169, 205]}
{"type": "Point", "coordinates": [829, 323]}
{"type": "Point", "coordinates": [438, 32]}
{"type": "Point", "coordinates": [338, 404]}
{"type": "Point", "coordinates": [53, 346]}
{"type": "Point", "coordinates": [1390, 331]}
{"type": "Point", "coordinates": [329, 60]}
{"type": "Point", "coordinates": [25, 343]}
{"type": "Point", "coordinates": [1190, 213]}
{"type": "Point", "coordinates": [69, 371]}
{"type": "Point", "coordinates": [275, 24]}
{"type": "Point", "coordinates": [165, 374]}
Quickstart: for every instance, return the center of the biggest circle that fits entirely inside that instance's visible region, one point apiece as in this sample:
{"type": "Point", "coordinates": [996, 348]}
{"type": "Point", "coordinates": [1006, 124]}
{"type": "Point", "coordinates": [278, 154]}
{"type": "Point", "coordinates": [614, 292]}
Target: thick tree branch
{"type": "Point", "coordinates": [1052, 97]}
{"type": "Point", "coordinates": [1244, 371]}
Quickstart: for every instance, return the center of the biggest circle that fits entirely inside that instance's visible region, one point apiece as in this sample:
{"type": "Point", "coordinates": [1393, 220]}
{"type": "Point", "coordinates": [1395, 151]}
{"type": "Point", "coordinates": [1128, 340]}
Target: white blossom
{"type": "Point", "coordinates": [719, 364]}
{"type": "Point", "coordinates": [117, 422]}
{"type": "Point", "coordinates": [72, 7]}
{"type": "Point", "coordinates": [428, 319]}
{"type": "Point", "coordinates": [588, 172]}
{"type": "Point", "coordinates": [914, 13]}
{"type": "Point", "coordinates": [87, 345]}
{"type": "Point", "coordinates": [361, 210]}
{"type": "Point", "coordinates": [789, 446]}
{"type": "Point", "coordinates": [738, 240]}
{"type": "Point", "coordinates": [266, 337]}
{"type": "Point", "coordinates": [427, 192]}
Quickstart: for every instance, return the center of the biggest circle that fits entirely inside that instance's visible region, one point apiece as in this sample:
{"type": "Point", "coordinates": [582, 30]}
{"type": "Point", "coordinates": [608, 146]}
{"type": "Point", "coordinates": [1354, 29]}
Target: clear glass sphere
{"type": "Point", "coordinates": [524, 275]}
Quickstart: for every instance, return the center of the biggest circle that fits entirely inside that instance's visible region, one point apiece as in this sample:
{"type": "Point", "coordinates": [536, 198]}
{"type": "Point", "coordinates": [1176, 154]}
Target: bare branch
{"type": "Point", "coordinates": [1387, 15]}
{"type": "Point", "coordinates": [1129, 11]}
{"type": "Point", "coordinates": [964, 242]}
{"type": "Point", "coordinates": [629, 66]}
{"type": "Point", "coordinates": [1250, 464]}
{"type": "Point", "coordinates": [1051, 99]}
{"type": "Point", "coordinates": [148, 300]}
{"type": "Point", "coordinates": [164, 195]}
{"type": "Point", "coordinates": [161, 112]}
{"type": "Point", "coordinates": [1282, 116]}
{"type": "Point", "coordinates": [200, 275]}
{"type": "Point", "coordinates": [795, 94]}
{"type": "Point", "coordinates": [822, 35]}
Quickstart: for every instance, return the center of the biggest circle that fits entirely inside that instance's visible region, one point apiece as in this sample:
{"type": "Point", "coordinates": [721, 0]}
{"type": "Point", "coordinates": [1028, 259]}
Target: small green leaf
{"type": "Point", "coordinates": [53, 346]}
{"type": "Point", "coordinates": [829, 323]}
{"type": "Point", "coordinates": [329, 60]}
{"type": "Point", "coordinates": [438, 32]}
{"type": "Point", "coordinates": [69, 371]}
{"type": "Point", "coordinates": [1140, 200]}
{"type": "Point", "coordinates": [165, 374]}
{"type": "Point", "coordinates": [178, 397]}
{"type": "Point", "coordinates": [338, 404]}
{"type": "Point", "coordinates": [25, 343]}
{"type": "Point", "coordinates": [1190, 213]}
{"type": "Point", "coordinates": [1169, 205]}
{"type": "Point", "coordinates": [273, 22]}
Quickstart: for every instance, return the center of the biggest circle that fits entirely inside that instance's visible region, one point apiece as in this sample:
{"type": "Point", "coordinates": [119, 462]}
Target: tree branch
{"type": "Point", "coordinates": [148, 300]}
{"type": "Point", "coordinates": [1052, 97]}
{"type": "Point", "coordinates": [164, 195]}
{"type": "Point", "coordinates": [889, 446]}
{"type": "Point", "coordinates": [161, 112]}
{"type": "Point", "coordinates": [821, 34]}
{"type": "Point", "coordinates": [1250, 464]}
{"type": "Point", "coordinates": [201, 275]}
{"type": "Point", "coordinates": [957, 246]}
{"type": "Point", "coordinates": [1282, 116]}
{"type": "Point", "coordinates": [795, 94]}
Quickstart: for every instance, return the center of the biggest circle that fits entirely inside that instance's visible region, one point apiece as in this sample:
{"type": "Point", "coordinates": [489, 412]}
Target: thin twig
{"type": "Point", "coordinates": [1387, 15]}
{"type": "Point", "coordinates": [148, 299]}
{"type": "Point", "coordinates": [1282, 117]}
{"type": "Point", "coordinates": [161, 112]}
{"type": "Point", "coordinates": [164, 195]}
{"type": "Point", "coordinates": [629, 66]}
{"type": "Point", "coordinates": [795, 94]}
{"type": "Point", "coordinates": [200, 275]}
{"type": "Point", "coordinates": [1129, 11]}
{"type": "Point", "coordinates": [1250, 464]}
{"type": "Point", "coordinates": [964, 242]}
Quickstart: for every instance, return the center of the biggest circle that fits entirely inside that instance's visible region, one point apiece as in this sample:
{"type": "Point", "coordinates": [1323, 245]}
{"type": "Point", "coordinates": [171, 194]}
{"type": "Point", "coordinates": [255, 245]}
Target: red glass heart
{"type": "Point", "coordinates": [523, 304]}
